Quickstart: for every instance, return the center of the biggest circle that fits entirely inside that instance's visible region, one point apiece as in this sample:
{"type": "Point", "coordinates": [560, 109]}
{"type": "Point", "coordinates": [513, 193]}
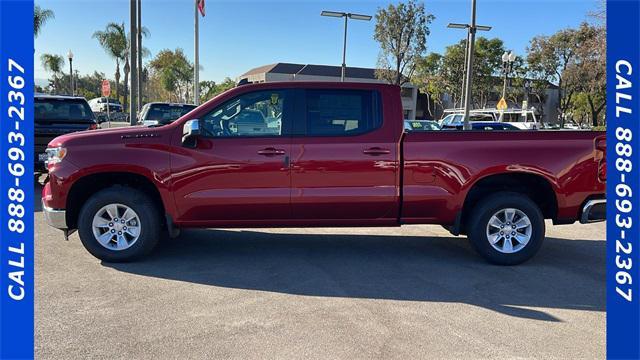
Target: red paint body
{"type": "Point", "coordinates": [381, 178]}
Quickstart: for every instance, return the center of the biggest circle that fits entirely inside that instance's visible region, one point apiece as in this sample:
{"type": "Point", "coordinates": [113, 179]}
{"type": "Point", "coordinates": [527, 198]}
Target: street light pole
{"type": "Point", "coordinates": [507, 61]}
{"type": "Point", "coordinates": [472, 28]}
{"type": "Point", "coordinates": [70, 56]}
{"type": "Point", "coordinates": [344, 51]}
{"type": "Point", "coordinates": [139, 57]}
{"type": "Point", "coordinates": [469, 75]}
{"type": "Point", "coordinates": [346, 17]}
{"type": "Point", "coordinates": [196, 57]}
{"type": "Point", "coordinates": [133, 53]}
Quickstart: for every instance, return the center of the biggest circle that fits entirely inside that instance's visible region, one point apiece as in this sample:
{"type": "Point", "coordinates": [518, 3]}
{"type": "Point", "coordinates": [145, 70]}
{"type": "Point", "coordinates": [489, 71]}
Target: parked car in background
{"type": "Point", "coordinates": [421, 125]}
{"type": "Point", "coordinates": [339, 157]}
{"type": "Point", "coordinates": [100, 105]}
{"type": "Point", "coordinates": [55, 115]}
{"type": "Point", "coordinates": [482, 125]}
{"type": "Point", "coordinates": [455, 118]}
{"type": "Point", "coordinates": [162, 113]}
{"type": "Point", "coordinates": [522, 119]}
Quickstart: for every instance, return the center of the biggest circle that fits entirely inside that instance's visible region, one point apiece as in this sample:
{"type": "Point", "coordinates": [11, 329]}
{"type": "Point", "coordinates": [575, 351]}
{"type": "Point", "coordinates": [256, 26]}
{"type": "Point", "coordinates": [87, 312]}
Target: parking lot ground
{"type": "Point", "coordinates": [344, 293]}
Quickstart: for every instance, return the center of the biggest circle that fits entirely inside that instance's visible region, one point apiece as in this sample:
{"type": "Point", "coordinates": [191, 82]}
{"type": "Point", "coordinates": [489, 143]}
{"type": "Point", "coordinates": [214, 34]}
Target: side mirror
{"type": "Point", "coordinates": [190, 133]}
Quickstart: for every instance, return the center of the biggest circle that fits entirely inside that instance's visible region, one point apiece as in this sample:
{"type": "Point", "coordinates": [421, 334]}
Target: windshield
{"type": "Point", "coordinates": [452, 119]}
{"type": "Point", "coordinates": [62, 109]}
{"type": "Point", "coordinates": [165, 113]}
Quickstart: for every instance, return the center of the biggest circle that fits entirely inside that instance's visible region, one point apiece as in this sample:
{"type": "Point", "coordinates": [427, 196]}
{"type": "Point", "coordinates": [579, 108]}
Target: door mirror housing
{"type": "Point", "coordinates": [190, 133]}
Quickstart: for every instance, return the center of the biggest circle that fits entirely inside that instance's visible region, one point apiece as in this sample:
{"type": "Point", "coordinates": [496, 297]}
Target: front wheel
{"type": "Point", "coordinates": [119, 224]}
{"type": "Point", "coordinates": [506, 228]}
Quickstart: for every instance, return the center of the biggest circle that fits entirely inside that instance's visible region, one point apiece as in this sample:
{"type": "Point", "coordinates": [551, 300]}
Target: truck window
{"type": "Point", "coordinates": [342, 112]}
{"type": "Point", "coordinates": [62, 109]}
{"type": "Point", "coordinates": [253, 114]}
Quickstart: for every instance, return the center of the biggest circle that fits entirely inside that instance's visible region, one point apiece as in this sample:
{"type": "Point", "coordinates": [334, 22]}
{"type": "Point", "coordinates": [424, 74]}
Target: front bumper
{"type": "Point", "coordinates": [594, 211]}
{"type": "Point", "coordinates": [55, 218]}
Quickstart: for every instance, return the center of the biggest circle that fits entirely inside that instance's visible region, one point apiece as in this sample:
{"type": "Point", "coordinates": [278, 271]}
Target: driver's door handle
{"type": "Point", "coordinates": [376, 151]}
{"type": "Point", "coordinates": [271, 152]}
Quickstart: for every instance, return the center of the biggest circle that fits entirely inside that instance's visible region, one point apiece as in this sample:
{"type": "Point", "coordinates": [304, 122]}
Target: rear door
{"type": "Point", "coordinates": [345, 156]}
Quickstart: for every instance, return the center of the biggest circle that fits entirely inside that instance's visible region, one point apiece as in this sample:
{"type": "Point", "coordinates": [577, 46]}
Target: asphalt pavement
{"type": "Point", "coordinates": [334, 293]}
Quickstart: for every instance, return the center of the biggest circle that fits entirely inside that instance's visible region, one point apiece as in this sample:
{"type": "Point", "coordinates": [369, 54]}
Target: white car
{"type": "Point", "coordinates": [100, 105]}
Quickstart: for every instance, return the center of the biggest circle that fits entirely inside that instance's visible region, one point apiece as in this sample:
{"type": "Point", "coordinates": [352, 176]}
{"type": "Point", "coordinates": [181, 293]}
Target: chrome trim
{"type": "Point", "coordinates": [55, 218]}
{"type": "Point", "coordinates": [586, 210]}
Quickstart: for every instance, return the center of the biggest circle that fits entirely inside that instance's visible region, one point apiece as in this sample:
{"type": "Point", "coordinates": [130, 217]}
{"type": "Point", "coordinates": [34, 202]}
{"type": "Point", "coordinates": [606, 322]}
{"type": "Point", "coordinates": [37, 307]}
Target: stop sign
{"type": "Point", "coordinates": [106, 88]}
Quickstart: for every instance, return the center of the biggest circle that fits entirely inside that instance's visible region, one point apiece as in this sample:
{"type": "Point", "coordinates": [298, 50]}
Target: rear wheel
{"type": "Point", "coordinates": [506, 228]}
{"type": "Point", "coordinates": [119, 224]}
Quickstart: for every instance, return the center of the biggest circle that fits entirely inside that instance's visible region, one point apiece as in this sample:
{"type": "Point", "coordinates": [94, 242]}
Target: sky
{"type": "Point", "coordinates": [236, 36]}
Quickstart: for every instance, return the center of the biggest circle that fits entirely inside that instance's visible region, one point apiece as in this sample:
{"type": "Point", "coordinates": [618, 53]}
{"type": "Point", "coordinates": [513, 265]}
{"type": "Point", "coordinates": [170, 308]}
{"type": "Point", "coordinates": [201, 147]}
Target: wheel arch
{"type": "Point", "coordinates": [89, 184]}
{"type": "Point", "coordinates": [538, 187]}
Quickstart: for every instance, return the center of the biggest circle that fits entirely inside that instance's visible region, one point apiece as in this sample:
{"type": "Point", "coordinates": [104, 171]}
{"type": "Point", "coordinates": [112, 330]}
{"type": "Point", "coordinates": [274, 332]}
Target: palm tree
{"type": "Point", "coordinates": [144, 52]}
{"type": "Point", "coordinates": [54, 64]}
{"type": "Point", "coordinates": [113, 40]}
{"type": "Point", "coordinates": [40, 17]}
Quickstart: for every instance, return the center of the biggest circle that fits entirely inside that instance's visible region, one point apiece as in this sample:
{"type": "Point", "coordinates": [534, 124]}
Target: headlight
{"type": "Point", "coordinates": [55, 155]}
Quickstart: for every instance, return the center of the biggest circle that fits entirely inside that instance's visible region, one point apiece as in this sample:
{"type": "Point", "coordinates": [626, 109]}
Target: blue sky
{"type": "Point", "coordinates": [236, 36]}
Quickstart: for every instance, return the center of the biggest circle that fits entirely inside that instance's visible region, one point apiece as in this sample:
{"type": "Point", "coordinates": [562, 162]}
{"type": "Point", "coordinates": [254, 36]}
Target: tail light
{"type": "Point", "coordinates": [601, 150]}
{"type": "Point", "coordinates": [93, 126]}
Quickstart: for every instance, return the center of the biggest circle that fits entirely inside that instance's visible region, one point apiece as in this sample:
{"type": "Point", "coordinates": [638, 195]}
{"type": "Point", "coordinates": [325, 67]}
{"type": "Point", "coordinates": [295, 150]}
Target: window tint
{"type": "Point", "coordinates": [63, 109]}
{"type": "Point", "coordinates": [341, 112]}
{"type": "Point", "coordinates": [253, 114]}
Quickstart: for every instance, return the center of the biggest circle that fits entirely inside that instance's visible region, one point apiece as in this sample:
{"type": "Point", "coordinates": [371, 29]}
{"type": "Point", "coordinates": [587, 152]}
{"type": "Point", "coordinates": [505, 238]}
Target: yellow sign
{"type": "Point", "coordinates": [502, 104]}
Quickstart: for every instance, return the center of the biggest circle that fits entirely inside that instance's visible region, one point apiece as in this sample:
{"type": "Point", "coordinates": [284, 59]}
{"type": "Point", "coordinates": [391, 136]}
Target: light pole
{"type": "Point", "coordinates": [133, 53]}
{"type": "Point", "coordinates": [471, 40]}
{"type": "Point", "coordinates": [70, 57]}
{"type": "Point", "coordinates": [527, 90]}
{"type": "Point", "coordinates": [346, 16]}
{"type": "Point", "coordinates": [507, 63]}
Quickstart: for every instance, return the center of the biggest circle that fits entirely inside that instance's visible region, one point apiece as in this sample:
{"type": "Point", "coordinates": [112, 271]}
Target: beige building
{"type": "Point", "coordinates": [310, 72]}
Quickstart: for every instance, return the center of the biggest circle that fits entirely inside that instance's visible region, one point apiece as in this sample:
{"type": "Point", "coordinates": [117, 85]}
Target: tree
{"type": "Point", "coordinates": [174, 73]}
{"type": "Point", "coordinates": [54, 64]}
{"type": "Point", "coordinates": [144, 52]}
{"type": "Point", "coordinates": [401, 30]}
{"type": "Point", "coordinates": [428, 77]}
{"type": "Point", "coordinates": [210, 89]}
{"type": "Point", "coordinates": [487, 65]}
{"type": "Point", "coordinates": [40, 17]}
{"type": "Point", "coordinates": [113, 40]}
{"type": "Point", "coordinates": [438, 75]}
{"type": "Point", "coordinates": [589, 71]}
{"type": "Point", "coordinates": [549, 57]}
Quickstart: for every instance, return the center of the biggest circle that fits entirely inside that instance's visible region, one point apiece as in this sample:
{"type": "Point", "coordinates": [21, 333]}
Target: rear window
{"type": "Point", "coordinates": [342, 112]}
{"type": "Point", "coordinates": [62, 109]}
{"type": "Point", "coordinates": [167, 112]}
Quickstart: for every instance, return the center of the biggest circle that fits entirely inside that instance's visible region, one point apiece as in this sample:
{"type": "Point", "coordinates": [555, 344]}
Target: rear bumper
{"type": "Point", "coordinates": [55, 218]}
{"type": "Point", "coordinates": [594, 211]}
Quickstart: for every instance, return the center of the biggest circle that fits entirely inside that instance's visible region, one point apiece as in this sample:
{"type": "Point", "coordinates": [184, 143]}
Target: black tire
{"type": "Point", "coordinates": [151, 227]}
{"type": "Point", "coordinates": [482, 213]}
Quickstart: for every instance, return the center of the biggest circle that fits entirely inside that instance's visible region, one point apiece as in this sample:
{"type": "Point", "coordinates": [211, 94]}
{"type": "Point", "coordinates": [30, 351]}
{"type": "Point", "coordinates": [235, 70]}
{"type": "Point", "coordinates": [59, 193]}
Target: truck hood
{"type": "Point", "coordinates": [107, 136]}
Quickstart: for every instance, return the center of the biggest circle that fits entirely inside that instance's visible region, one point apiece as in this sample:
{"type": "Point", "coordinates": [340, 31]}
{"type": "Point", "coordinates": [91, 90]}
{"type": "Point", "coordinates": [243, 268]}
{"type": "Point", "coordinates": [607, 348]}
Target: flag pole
{"type": "Point", "coordinates": [196, 65]}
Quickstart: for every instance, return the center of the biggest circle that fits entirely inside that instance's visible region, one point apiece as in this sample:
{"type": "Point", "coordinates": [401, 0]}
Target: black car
{"type": "Point", "coordinates": [56, 115]}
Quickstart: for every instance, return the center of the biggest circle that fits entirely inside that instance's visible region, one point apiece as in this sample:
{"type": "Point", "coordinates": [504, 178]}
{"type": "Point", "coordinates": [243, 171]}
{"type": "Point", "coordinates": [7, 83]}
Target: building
{"type": "Point", "coordinates": [310, 72]}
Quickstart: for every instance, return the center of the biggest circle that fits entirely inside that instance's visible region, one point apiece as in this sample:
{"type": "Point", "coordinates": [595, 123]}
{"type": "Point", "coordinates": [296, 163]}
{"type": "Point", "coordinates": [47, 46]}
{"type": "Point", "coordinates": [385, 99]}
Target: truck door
{"type": "Point", "coordinates": [345, 156]}
{"type": "Point", "coordinates": [239, 171]}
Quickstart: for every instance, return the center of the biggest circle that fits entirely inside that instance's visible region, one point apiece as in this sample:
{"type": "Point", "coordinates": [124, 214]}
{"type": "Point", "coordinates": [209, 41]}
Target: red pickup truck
{"type": "Point", "coordinates": [303, 154]}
